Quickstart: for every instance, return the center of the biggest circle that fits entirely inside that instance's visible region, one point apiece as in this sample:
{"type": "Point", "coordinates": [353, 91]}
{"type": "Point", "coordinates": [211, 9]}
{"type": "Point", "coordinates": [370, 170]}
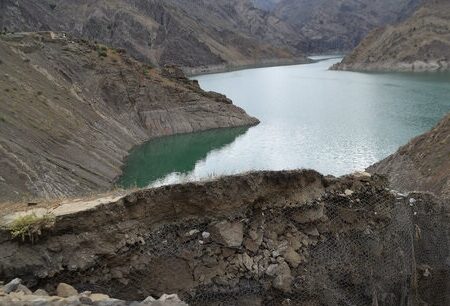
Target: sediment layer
{"type": "Point", "coordinates": [266, 238]}
{"type": "Point", "coordinates": [421, 43]}
{"type": "Point", "coordinates": [71, 110]}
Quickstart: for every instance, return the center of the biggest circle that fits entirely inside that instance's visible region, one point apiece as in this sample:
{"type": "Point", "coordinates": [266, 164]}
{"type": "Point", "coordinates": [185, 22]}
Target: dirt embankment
{"type": "Point", "coordinates": [421, 43]}
{"type": "Point", "coordinates": [423, 164]}
{"type": "Point", "coordinates": [266, 238]}
{"type": "Point", "coordinates": [70, 111]}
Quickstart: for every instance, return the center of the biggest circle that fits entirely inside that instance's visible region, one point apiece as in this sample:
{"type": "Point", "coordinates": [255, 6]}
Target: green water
{"type": "Point", "coordinates": [176, 154]}
{"type": "Point", "coordinates": [334, 122]}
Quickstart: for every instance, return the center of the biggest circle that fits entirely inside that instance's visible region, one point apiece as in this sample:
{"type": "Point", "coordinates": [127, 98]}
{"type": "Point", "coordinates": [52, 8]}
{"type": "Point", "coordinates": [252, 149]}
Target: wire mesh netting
{"type": "Point", "coordinates": [347, 248]}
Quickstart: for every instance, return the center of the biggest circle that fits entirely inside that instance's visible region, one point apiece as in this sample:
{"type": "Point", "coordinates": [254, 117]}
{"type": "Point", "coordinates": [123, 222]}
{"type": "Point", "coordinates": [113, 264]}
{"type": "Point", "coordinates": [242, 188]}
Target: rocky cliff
{"type": "Point", "coordinates": [423, 164]}
{"type": "Point", "coordinates": [337, 25]}
{"type": "Point", "coordinates": [267, 238]}
{"type": "Point", "coordinates": [70, 110]}
{"type": "Point", "coordinates": [186, 33]}
{"type": "Point", "coordinates": [421, 43]}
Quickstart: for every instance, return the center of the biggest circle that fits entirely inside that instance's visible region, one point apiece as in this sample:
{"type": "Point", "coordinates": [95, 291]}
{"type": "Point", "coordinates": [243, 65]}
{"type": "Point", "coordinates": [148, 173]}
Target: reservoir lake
{"type": "Point", "coordinates": [332, 121]}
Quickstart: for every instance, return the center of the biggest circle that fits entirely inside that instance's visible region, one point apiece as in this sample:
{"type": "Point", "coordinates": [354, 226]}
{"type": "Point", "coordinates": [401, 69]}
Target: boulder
{"type": "Point", "coordinates": [229, 234]}
{"type": "Point", "coordinates": [65, 290]}
{"type": "Point", "coordinates": [283, 279]}
{"type": "Point", "coordinates": [40, 292]}
{"type": "Point", "coordinates": [12, 285]}
{"type": "Point", "coordinates": [98, 297]}
{"type": "Point", "coordinates": [24, 289]}
{"type": "Point", "coordinates": [292, 257]}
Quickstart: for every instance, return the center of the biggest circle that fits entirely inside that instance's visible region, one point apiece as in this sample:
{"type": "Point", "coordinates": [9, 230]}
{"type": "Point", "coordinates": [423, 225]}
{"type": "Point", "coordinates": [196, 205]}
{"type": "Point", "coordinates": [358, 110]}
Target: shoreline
{"type": "Point", "coordinates": [229, 67]}
{"type": "Point", "coordinates": [414, 67]}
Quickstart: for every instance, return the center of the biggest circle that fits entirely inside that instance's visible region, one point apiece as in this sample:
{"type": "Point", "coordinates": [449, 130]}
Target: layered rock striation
{"type": "Point", "coordinates": [421, 43]}
{"type": "Point", "coordinates": [217, 33]}
{"type": "Point", "coordinates": [337, 25]}
{"type": "Point", "coordinates": [70, 111]}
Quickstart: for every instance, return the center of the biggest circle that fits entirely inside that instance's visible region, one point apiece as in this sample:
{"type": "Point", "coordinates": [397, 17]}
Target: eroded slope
{"type": "Point", "coordinates": [265, 238]}
{"type": "Point", "coordinates": [70, 111]}
{"type": "Point", "coordinates": [187, 33]}
{"type": "Point", "coordinates": [337, 25]}
{"type": "Point", "coordinates": [423, 164]}
{"type": "Point", "coordinates": [421, 43]}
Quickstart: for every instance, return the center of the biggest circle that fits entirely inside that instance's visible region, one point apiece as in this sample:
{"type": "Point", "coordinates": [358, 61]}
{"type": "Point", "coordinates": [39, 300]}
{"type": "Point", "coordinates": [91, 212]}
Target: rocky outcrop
{"type": "Point", "coordinates": [333, 26]}
{"type": "Point", "coordinates": [71, 110]}
{"type": "Point", "coordinates": [186, 33]}
{"type": "Point", "coordinates": [423, 164]}
{"type": "Point", "coordinates": [421, 43]}
{"type": "Point", "coordinates": [266, 238]}
{"type": "Point", "coordinates": [16, 294]}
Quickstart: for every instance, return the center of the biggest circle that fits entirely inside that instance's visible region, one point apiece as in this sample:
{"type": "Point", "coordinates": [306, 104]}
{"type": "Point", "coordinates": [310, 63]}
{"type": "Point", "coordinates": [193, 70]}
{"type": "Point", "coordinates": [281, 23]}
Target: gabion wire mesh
{"type": "Point", "coordinates": [361, 251]}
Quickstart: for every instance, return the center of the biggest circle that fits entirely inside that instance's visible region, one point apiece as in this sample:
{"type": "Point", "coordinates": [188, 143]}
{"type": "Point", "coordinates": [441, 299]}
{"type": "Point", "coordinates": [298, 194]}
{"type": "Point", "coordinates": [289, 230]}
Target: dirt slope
{"type": "Point", "coordinates": [423, 164]}
{"type": "Point", "coordinates": [70, 111]}
{"type": "Point", "coordinates": [265, 238]}
{"type": "Point", "coordinates": [421, 43]}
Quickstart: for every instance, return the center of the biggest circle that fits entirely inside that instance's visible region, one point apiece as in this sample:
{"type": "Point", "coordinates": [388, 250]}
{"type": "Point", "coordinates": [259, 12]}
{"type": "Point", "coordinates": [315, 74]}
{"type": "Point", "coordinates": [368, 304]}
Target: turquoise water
{"type": "Point", "coordinates": [334, 122]}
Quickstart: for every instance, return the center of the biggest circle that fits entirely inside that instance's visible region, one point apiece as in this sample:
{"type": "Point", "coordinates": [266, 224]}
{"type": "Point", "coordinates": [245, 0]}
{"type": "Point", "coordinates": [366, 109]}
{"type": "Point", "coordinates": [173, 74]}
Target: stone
{"type": "Point", "coordinates": [292, 257]}
{"type": "Point", "coordinates": [312, 231]}
{"type": "Point", "coordinates": [192, 232]}
{"type": "Point", "coordinates": [348, 192]}
{"type": "Point", "coordinates": [247, 261]}
{"type": "Point", "coordinates": [12, 285]}
{"type": "Point", "coordinates": [40, 292]}
{"type": "Point", "coordinates": [283, 283]}
{"type": "Point", "coordinates": [295, 242]}
{"type": "Point", "coordinates": [310, 215]}
{"type": "Point", "coordinates": [169, 298]}
{"type": "Point", "coordinates": [251, 245]}
{"type": "Point", "coordinates": [229, 234]}
{"type": "Point", "coordinates": [283, 279]}
{"type": "Point", "coordinates": [149, 299]}
{"type": "Point", "coordinates": [228, 252]}
{"type": "Point", "coordinates": [206, 235]}
{"type": "Point", "coordinates": [98, 297]}
{"type": "Point", "coordinates": [86, 300]}
{"type": "Point", "coordinates": [272, 270]}
{"type": "Point", "coordinates": [24, 289]}
{"type": "Point", "coordinates": [65, 290]}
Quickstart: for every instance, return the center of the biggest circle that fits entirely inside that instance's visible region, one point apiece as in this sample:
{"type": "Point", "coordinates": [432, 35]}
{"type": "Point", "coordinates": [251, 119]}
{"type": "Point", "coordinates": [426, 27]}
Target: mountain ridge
{"type": "Point", "coordinates": [186, 33]}
{"type": "Point", "coordinates": [71, 110]}
{"type": "Point", "coordinates": [421, 43]}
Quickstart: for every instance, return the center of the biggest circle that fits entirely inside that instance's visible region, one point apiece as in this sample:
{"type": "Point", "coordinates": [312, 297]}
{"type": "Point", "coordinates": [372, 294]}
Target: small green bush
{"type": "Point", "coordinates": [102, 50]}
{"type": "Point", "coordinates": [31, 226]}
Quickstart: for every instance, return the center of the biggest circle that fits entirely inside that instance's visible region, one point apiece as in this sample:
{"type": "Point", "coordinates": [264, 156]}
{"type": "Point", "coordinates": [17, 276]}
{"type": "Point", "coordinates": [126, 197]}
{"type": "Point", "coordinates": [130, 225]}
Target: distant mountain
{"type": "Point", "coordinates": [423, 164]}
{"type": "Point", "coordinates": [189, 33]}
{"type": "Point", "coordinates": [333, 25]}
{"type": "Point", "coordinates": [420, 43]}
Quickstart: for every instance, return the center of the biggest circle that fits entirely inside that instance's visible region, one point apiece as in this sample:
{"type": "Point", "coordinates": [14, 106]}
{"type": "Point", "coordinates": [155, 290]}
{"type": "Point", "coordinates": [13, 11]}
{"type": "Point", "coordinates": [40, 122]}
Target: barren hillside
{"type": "Point", "coordinates": [70, 111]}
{"type": "Point", "coordinates": [421, 43]}
{"type": "Point", "coordinates": [187, 33]}
{"type": "Point", "coordinates": [423, 164]}
{"type": "Point", "coordinates": [337, 25]}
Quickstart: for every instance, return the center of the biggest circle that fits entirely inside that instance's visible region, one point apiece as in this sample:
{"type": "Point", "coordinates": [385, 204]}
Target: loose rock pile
{"type": "Point", "coordinates": [15, 293]}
